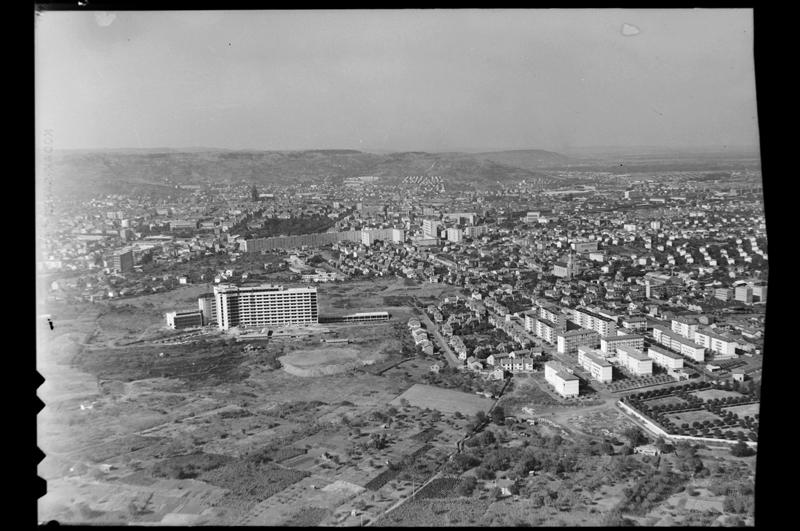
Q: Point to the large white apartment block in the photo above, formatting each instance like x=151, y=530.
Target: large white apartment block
x=611, y=343
x=545, y=322
x=605, y=326
x=552, y=313
x=569, y=341
x=454, y=234
x=684, y=326
x=561, y=378
x=664, y=358
x=263, y=305
x=475, y=231
x=430, y=228
x=595, y=364
x=636, y=322
x=635, y=361
x=671, y=340
x=715, y=342
x=744, y=294
x=207, y=304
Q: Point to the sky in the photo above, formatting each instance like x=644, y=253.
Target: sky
x=421, y=80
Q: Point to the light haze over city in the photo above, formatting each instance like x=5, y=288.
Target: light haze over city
x=429, y=80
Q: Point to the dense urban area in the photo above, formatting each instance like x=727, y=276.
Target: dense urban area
x=350, y=339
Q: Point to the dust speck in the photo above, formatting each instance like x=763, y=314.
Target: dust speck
x=629, y=30
x=104, y=18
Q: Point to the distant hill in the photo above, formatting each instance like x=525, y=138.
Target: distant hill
x=529, y=159
x=82, y=172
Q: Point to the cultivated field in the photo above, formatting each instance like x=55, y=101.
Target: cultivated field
x=444, y=400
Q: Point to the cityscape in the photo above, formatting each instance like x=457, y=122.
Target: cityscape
x=398, y=337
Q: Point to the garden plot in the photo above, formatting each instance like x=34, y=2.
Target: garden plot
x=315, y=495
x=711, y=394
x=745, y=410
x=667, y=401
x=689, y=417
x=444, y=400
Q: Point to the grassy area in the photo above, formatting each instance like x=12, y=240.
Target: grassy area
x=444, y=400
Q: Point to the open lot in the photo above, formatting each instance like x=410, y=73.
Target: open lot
x=444, y=400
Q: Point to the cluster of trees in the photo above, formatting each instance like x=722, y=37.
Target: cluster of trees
x=650, y=490
x=294, y=225
x=740, y=449
x=464, y=380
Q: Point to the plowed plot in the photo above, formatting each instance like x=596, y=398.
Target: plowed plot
x=190, y=363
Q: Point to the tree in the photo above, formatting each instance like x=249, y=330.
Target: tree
x=498, y=415
x=482, y=472
x=466, y=486
x=378, y=440
x=740, y=449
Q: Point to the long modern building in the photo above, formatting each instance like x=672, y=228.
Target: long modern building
x=585, y=318
x=184, y=319
x=264, y=304
x=635, y=361
x=569, y=341
x=595, y=364
x=610, y=344
x=719, y=344
x=678, y=343
x=664, y=358
x=561, y=378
